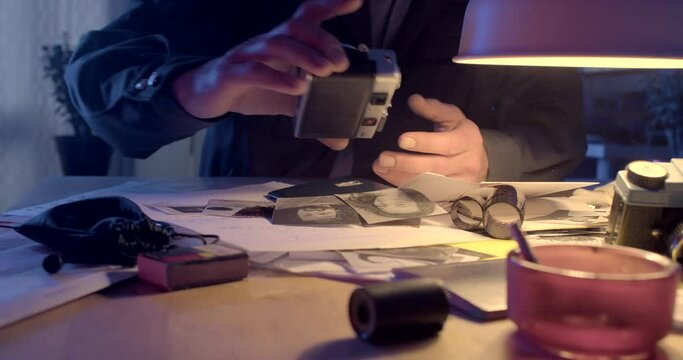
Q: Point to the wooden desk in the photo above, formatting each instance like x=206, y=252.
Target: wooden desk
x=269, y=315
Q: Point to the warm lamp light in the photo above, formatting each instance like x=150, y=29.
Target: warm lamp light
x=641, y=34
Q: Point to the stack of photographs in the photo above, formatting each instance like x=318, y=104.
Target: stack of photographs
x=373, y=207
x=379, y=205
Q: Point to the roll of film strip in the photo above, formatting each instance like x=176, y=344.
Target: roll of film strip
x=493, y=207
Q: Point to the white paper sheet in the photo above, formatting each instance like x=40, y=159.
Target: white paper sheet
x=442, y=188
x=27, y=289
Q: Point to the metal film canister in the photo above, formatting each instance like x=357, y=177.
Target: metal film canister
x=504, y=208
x=399, y=311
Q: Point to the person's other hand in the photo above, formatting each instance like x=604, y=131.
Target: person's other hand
x=455, y=149
x=256, y=77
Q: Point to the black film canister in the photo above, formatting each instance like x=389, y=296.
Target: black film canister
x=399, y=311
x=53, y=263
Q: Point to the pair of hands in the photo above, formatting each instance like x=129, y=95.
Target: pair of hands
x=257, y=78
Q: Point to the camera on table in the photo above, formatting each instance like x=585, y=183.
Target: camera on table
x=353, y=104
x=647, y=209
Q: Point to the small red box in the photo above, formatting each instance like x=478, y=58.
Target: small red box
x=186, y=267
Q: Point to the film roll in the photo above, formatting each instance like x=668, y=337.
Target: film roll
x=504, y=208
x=399, y=311
x=494, y=207
x=467, y=212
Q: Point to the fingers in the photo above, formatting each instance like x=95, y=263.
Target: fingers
x=416, y=163
x=396, y=178
x=264, y=63
x=299, y=42
x=455, y=134
x=258, y=75
x=455, y=150
x=445, y=116
x=281, y=48
x=304, y=27
x=313, y=36
x=398, y=168
x=335, y=144
x=317, y=11
x=449, y=143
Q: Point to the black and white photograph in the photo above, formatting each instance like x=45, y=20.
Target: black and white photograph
x=391, y=205
x=238, y=208
x=315, y=210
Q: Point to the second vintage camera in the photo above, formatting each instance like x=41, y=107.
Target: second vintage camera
x=353, y=104
x=647, y=209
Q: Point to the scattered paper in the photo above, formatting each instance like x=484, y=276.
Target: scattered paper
x=442, y=188
x=27, y=289
x=176, y=209
x=379, y=261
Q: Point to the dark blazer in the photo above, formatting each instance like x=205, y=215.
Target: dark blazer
x=530, y=117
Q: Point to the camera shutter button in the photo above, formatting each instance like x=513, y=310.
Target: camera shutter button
x=646, y=174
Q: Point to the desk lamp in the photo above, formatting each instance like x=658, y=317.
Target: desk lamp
x=635, y=34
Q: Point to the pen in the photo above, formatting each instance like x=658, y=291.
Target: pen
x=523, y=244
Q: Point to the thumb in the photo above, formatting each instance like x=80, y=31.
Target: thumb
x=445, y=116
x=335, y=144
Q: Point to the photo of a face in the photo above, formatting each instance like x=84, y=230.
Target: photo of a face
x=314, y=210
x=398, y=203
x=317, y=213
x=391, y=205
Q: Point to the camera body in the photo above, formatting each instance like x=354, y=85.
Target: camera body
x=647, y=213
x=353, y=104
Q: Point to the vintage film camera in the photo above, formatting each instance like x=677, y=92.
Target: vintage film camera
x=352, y=104
x=647, y=210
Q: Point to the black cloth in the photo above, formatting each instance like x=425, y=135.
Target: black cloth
x=107, y=230
x=530, y=117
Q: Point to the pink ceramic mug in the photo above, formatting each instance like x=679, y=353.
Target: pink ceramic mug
x=592, y=300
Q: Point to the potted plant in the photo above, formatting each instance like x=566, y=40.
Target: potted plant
x=81, y=153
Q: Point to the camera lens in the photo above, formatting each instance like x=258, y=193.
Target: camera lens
x=379, y=99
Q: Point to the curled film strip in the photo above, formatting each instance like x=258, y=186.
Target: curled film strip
x=494, y=207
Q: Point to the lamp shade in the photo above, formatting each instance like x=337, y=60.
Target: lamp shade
x=578, y=33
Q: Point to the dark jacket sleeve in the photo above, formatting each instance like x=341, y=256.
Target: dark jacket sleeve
x=119, y=79
x=531, y=118
x=539, y=132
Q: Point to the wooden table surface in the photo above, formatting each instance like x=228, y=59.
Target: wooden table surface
x=266, y=316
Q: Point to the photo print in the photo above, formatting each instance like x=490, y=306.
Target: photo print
x=391, y=205
x=239, y=208
x=314, y=210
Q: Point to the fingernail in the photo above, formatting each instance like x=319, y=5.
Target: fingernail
x=406, y=142
x=387, y=161
x=339, y=56
x=381, y=170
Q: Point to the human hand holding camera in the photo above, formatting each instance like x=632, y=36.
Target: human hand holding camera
x=255, y=77
x=455, y=149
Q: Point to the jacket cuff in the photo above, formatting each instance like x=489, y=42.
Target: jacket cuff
x=154, y=85
x=504, y=154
